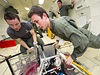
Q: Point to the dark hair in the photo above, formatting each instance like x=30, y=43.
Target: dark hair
x=11, y=15
x=11, y=7
x=37, y=10
x=59, y=1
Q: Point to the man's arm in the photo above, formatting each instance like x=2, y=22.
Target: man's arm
x=78, y=39
x=34, y=35
x=71, y=6
x=58, y=12
x=22, y=43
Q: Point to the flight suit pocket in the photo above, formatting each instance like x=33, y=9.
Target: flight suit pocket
x=75, y=40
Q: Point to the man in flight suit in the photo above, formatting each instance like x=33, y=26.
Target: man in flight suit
x=63, y=9
x=22, y=31
x=67, y=29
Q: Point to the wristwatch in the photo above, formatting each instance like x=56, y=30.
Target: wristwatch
x=35, y=43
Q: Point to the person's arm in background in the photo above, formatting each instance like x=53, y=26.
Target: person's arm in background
x=58, y=12
x=22, y=43
x=72, y=3
x=70, y=6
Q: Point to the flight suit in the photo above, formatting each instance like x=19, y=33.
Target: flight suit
x=63, y=11
x=51, y=14
x=86, y=26
x=66, y=28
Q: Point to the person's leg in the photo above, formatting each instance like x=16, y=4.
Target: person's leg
x=99, y=35
x=95, y=43
x=22, y=49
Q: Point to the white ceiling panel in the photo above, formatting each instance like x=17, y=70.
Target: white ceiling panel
x=21, y=4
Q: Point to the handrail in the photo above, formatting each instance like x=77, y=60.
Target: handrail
x=83, y=69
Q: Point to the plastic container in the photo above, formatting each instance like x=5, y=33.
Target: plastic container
x=7, y=43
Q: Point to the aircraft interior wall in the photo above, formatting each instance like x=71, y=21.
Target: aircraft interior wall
x=3, y=24
x=83, y=11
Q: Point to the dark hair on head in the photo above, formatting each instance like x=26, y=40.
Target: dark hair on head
x=37, y=10
x=10, y=15
x=59, y=1
x=11, y=7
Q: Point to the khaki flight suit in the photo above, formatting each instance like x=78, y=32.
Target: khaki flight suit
x=81, y=38
x=63, y=11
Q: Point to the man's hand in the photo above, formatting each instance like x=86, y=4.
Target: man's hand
x=30, y=49
x=69, y=60
x=57, y=11
x=72, y=0
x=55, y=44
x=23, y=43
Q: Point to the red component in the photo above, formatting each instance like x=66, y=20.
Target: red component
x=56, y=69
x=66, y=54
x=7, y=43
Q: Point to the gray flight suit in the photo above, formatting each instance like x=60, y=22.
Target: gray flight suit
x=86, y=26
x=66, y=28
x=51, y=14
x=63, y=11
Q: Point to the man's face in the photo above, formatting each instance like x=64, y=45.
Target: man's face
x=59, y=4
x=14, y=24
x=40, y=22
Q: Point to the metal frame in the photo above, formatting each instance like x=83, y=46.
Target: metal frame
x=43, y=60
